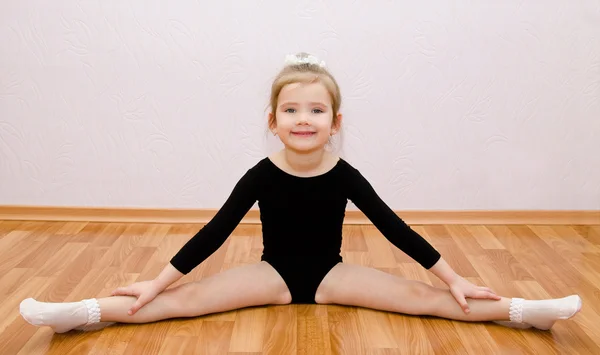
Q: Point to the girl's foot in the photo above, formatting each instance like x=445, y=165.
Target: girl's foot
x=62, y=317
x=541, y=314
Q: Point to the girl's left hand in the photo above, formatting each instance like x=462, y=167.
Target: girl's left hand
x=462, y=289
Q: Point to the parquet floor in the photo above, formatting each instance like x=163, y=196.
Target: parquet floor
x=54, y=261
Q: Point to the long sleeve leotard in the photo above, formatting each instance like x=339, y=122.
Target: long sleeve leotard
x=302, y=217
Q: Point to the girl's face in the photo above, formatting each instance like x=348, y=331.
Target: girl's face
x=304, y=117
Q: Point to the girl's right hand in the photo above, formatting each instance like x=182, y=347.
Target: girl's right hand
x=145, y=291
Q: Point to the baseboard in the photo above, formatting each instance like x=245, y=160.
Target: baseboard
x=165, y=215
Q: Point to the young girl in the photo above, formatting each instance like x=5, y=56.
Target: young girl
x=302, y=193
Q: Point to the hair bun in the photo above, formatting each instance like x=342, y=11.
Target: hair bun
x=303, y=58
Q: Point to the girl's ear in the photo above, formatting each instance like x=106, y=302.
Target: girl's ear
x=337, y=124
x=272, y=124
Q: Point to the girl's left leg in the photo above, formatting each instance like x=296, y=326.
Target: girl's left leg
x=355, y=285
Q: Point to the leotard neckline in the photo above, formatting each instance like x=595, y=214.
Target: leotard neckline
x=324, y=174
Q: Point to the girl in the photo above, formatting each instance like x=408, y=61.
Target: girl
x=302, y=193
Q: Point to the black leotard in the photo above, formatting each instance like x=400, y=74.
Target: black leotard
x=302, y=221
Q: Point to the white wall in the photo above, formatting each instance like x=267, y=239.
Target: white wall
x=469, y=104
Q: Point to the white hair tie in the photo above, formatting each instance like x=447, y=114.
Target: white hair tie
x=291, y=59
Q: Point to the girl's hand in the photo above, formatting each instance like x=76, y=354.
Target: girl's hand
x=145, y=292
x=462, y=289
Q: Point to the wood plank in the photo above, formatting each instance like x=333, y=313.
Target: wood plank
x=69, y=261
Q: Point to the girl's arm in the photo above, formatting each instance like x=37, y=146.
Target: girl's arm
x=444, y=272
x=402, y=236
x=362, y=194
x=210, y=237
x=167, y=277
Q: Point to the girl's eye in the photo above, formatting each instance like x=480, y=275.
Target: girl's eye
x=291, y=110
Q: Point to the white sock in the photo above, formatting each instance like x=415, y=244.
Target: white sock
x=541, y=314
x=62, y=317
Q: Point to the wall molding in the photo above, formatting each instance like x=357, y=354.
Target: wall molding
x=175, y=215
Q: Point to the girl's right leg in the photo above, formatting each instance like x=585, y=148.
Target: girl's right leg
x=244, y=286
x=356, y=285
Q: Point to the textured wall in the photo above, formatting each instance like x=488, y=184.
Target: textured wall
x=448, y=104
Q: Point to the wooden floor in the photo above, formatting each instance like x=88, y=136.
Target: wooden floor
x=56, y=262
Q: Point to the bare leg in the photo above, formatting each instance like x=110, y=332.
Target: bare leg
x=245, y=286
x=355, y=285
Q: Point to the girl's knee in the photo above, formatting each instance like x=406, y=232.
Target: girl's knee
x=181, y=300
x=418, y=298
x=422, y=291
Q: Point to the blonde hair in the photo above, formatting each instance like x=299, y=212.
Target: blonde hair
x=305, y=71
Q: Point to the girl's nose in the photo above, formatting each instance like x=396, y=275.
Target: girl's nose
x=302, y=119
